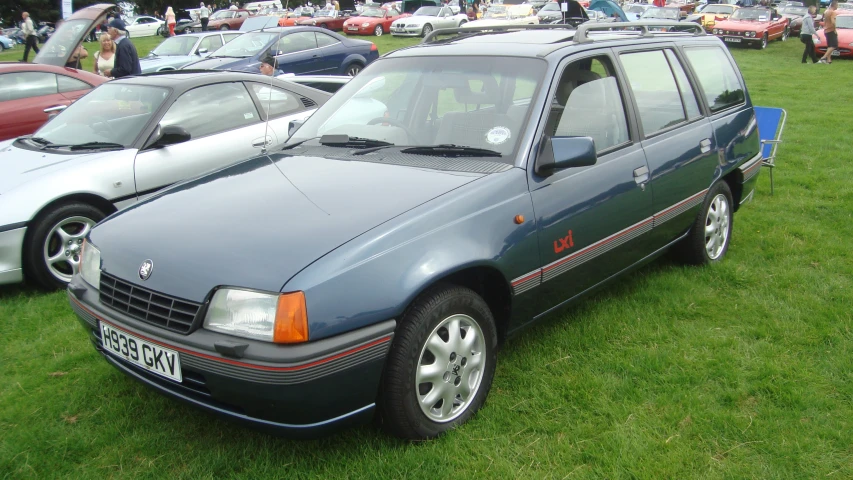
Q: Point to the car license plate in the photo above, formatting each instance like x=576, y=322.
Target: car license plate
x=732, y=39
x=353, y=28
x=150, y=356
x=836, y=53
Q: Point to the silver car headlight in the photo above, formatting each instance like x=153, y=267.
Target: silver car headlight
x=90, y=264
x=365, y=25
x=270, y=317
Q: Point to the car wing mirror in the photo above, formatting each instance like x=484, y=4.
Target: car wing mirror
x=165, y=136
x=559, y=153
x=202, y=51
x=293, y=126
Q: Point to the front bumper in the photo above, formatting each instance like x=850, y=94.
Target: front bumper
x=359, y=30
x=733, y=39
x=11, y=246
x=838, y=52
x=415, y=31
x=298, y=390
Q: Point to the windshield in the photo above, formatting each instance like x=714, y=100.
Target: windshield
x=519, y=11
x=844, y=21
x=633, y=9
x=751, y=14
x=718, y=9
x=372, y=12
x=495, y=11
x=222, y=14
x=661, y=13
x=799, y=11
x=114, y=113
x=550, y=7
x=246, y=45
x=324, y=13
x=427, y=12
x=480, y=102
x=180, y=45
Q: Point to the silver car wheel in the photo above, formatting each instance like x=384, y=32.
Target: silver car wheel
x=63, y=244
x=450, y=368
x=717, y=226
x=353, y=70
x=378, y=31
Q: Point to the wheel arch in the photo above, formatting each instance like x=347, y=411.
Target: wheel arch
x=735, y=181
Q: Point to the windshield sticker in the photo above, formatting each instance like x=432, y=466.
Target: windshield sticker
x=498, y=135
x=762, y=18
x=248, y=116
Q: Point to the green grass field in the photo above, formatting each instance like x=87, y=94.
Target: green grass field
x=738, y=370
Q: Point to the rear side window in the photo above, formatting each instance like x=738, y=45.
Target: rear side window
x=18, y=85
x=276, y=102
x=691, y=106
x=655, y=91
x=68, y=84
x=717, y=76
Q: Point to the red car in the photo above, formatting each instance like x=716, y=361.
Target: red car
x=844, y=27
x=752, y=26
x=330, y=19
x=227, y=19
x=30, y=92
x=372, y=21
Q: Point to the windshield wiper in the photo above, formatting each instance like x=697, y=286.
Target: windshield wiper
x=95, y=145
x=39, y=140
x=347, y=141
x=443, y=150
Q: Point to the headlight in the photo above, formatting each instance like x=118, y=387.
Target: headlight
x=278, y=318
x=750, y=34
x=850, y=44
x=365, y=25
x=90, y=264
x=716, y=31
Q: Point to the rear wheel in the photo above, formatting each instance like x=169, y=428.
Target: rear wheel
x=441, y=364
x=354, y=69
x=709, y=237
x=427, y=30
x=52, y=247
x=378, y=31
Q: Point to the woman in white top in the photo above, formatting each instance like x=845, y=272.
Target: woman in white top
x=105, y=58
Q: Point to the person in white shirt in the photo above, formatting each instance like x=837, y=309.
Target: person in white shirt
x=30, y=34
x=204, y=15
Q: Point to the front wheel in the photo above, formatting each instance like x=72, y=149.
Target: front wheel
x=785, y=34
x=441, y=364
x=763, y=43
x=52, y=247
x=378, y=31
x=427, y=30
x=709, y=237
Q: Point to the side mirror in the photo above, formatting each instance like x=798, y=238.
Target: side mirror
x=565, y=152
x=293, y=126
x=165, y=136
x=202, y=51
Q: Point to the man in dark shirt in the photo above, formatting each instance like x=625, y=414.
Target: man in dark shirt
x=127, y=60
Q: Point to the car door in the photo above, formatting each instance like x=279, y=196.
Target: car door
x=236, y=134
x=592, y=222
x=23, y=98
x=208, y=44
x=297, y=53
x=445, y=19
x=331, y=53
x=677, y=137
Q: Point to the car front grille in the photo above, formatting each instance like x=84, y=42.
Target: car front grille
x=147, y=305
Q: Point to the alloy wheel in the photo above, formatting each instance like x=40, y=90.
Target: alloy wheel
x=378, y=31
x=62, y=248
x=717, y=226
x=354, y=70
x=450, y=368
x=427, y=29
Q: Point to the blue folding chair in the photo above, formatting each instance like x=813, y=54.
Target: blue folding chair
x=771, y=122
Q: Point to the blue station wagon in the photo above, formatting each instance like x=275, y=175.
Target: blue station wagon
x=373, y=266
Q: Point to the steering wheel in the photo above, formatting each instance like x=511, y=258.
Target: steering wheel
x=394, y=122
x=97, y=121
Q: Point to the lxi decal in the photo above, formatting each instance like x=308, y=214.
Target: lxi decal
x=564, y=243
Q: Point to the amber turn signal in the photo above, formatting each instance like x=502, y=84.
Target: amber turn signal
x=291, y=319
x=519, y=219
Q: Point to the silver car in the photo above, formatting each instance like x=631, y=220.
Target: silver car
x=427, y=19
x=121, y=143
x=177, y=51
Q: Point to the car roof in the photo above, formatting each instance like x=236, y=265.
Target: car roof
x=183, y=80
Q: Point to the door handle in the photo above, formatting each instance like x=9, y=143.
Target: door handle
x=641, y=176
x=705, y=145
x=262, y=142
x=55, y=108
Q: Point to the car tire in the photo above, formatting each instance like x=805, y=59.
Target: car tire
x=713, y=223
x=48, y=238
x=323, y=25
x=463, y=22
x=785, y=34
x=408, y=408
x=427, y=30
x=224, y=27
x=378, y=31
x=354, y=69
x=764, y=42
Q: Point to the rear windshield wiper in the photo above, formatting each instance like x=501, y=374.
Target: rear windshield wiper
x=443, y=150
x=347, y=141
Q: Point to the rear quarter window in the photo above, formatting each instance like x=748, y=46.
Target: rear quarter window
x=717, y=77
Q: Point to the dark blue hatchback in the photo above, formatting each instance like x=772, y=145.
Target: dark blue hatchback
x=299, y=50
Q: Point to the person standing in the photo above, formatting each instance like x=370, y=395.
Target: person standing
x=829, y=32
x=170, y=21
x=30, y=35
x=204, y=16
x=127, y=60
x=105, y=59
x=806, y=35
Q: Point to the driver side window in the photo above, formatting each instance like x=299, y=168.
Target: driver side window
x=228, y=103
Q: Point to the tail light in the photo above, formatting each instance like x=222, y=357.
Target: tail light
x=374, y=48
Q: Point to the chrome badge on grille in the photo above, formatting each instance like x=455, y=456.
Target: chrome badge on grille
x=145, y=269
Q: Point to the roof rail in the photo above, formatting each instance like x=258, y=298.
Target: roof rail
x=641, y=29
x=493, y=29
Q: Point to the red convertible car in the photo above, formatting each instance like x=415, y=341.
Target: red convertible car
x=844, y=27
x=330, y=19
x=753, y=26
x=372, y=21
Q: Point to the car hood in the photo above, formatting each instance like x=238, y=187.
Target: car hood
x=220, y=63
x=151, y=64
x=740, y=24
x=21, y=165
x=366, y=19
x=419, y=20
x=257, y=223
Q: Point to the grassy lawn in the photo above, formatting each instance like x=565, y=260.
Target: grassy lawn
x=739, y=370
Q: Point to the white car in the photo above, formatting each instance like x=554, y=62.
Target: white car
x=634, y=10
x=427, y=19
x=500, y=15
x=143, y=26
